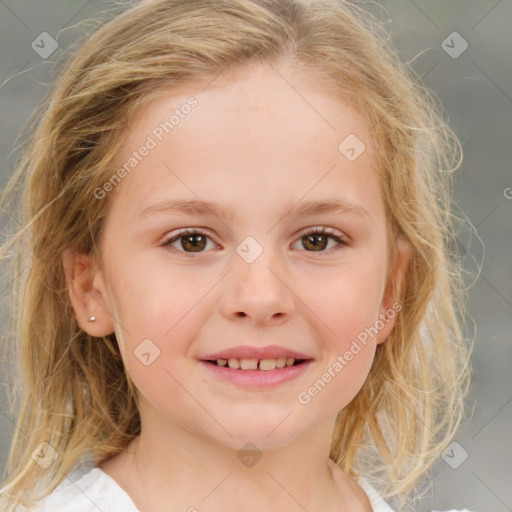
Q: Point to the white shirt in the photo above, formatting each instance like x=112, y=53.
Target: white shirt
x=95, y=491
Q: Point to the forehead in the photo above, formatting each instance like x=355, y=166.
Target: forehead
x=257, y=128
x=252, y=97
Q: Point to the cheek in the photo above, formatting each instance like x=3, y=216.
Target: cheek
x=165, y=395
x=347, y=345
x=161, y=313
x=347, y=300
x=154, y=298
x=337, y=384
x=347, y=304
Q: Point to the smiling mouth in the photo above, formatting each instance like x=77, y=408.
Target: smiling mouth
x=257, y=364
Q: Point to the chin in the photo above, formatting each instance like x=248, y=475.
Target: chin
x=264, y=435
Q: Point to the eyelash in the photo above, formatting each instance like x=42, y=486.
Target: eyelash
x=311, y=231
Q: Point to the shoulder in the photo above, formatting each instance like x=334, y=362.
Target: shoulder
x=379, y=505
x=90, y=492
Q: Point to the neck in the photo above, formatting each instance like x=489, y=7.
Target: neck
x=193, y=472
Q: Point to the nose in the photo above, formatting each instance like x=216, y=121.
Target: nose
x=258, y=292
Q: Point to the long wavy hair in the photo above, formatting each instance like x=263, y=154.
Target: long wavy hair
x=75, y=393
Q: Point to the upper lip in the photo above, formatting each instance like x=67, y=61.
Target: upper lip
x=249, y=352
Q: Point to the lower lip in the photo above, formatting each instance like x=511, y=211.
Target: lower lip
x=258, y=378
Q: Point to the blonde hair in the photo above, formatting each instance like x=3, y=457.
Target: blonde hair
x=76, y=393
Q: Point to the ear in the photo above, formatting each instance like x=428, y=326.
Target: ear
x=391, y=305
x=87, y=292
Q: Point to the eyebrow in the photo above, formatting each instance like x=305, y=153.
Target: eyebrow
x=198, y=207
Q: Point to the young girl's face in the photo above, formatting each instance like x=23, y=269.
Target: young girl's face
x=258, y=147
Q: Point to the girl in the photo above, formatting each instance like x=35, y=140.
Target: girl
x=240, y=292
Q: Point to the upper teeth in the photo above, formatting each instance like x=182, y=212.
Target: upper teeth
x=254, y=364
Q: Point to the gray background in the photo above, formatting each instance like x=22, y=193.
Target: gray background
x=476, y=91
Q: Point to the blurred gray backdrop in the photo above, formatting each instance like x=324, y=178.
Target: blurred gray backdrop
x=462, y=50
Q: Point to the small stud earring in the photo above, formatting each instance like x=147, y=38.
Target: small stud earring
x=92, y=318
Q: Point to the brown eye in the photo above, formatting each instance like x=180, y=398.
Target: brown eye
x=191, y=241
x=194, y=243
x=317, y=240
